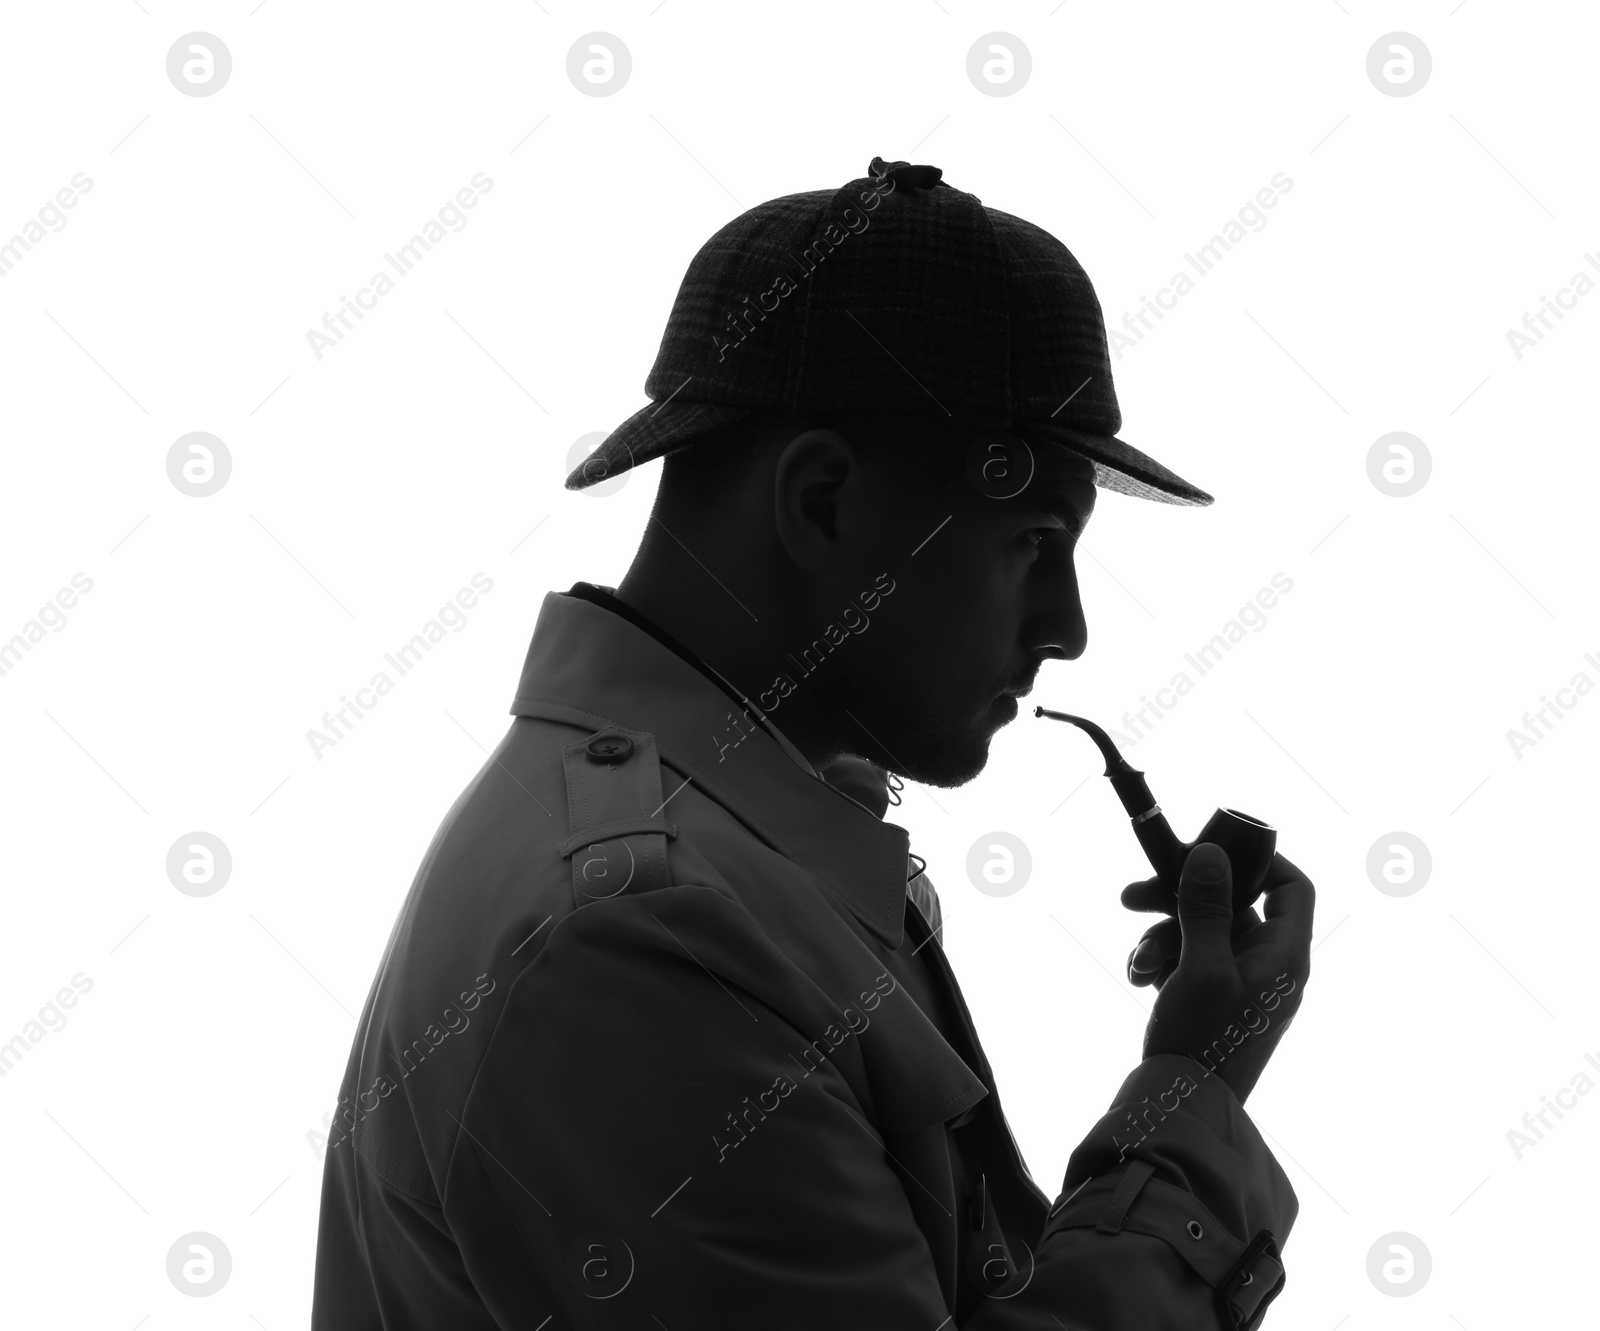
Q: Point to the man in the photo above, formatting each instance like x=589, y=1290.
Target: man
x=660, y=1038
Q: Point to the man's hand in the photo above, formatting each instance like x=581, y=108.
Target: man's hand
x=1239, y=979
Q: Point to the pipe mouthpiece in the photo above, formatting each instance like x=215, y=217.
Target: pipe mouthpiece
x=1116, y=764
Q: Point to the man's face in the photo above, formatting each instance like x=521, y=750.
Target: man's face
x=985, y=591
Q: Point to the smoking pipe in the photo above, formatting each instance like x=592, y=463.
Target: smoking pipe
x=1248, y=842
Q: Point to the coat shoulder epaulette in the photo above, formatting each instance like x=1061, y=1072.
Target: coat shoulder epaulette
x=617, y=831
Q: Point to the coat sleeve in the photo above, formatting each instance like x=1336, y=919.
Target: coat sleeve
x=1173, y=1212
x=641, y=1143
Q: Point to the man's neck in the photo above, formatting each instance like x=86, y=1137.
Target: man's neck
x=715, y=625
x=726, y=631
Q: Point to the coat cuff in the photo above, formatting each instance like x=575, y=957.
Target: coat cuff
x=1177, y=1157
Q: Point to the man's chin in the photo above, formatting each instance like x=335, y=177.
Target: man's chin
x=951, y=760
x=938, y=756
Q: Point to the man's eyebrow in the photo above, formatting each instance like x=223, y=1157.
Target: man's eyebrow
x=1061, y=505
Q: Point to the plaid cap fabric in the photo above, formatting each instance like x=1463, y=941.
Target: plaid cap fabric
x=896, y=295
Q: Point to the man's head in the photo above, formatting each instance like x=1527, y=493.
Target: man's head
x=884, y=411
x=873, y=597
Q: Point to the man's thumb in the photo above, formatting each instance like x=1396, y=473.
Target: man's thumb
x=1205, y=902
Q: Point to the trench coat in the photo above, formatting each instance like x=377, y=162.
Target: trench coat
x=643, y=1052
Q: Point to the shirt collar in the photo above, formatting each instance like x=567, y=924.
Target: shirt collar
x=592, y=667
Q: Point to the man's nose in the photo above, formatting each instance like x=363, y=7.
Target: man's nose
x=1059, y=631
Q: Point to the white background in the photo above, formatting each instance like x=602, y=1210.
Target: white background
x=186, y=1090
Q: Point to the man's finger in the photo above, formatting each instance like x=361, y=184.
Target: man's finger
x=1290, y=908
x=1205, y=905
x=1149, y=895
x=1144, y=979
x=1293, y=901
x=1282, y=870
x=1245, y=920
x=1159, y=945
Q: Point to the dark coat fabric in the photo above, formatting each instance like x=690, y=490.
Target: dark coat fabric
x=658, y=1042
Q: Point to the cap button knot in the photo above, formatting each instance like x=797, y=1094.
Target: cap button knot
x=905, y=175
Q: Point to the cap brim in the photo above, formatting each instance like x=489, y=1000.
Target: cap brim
x=1121, y=467
x=652, y=432
x=664, y=427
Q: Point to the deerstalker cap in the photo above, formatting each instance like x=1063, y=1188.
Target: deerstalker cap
x=896, y=295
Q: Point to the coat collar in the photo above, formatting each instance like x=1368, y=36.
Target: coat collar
x=590, y=667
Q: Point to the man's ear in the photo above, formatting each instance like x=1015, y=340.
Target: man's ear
x=808, y=483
